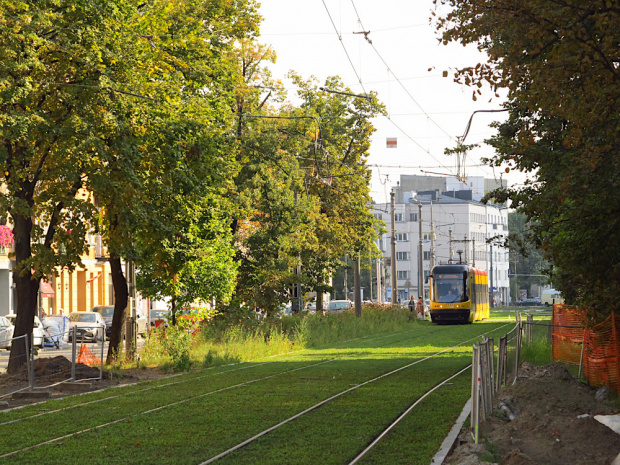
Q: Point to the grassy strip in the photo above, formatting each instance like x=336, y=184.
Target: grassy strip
x=208, y=424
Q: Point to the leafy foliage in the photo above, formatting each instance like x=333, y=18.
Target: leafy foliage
x=559, y=63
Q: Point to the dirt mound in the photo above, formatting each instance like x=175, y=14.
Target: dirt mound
x=56, y=369
x=553, y=423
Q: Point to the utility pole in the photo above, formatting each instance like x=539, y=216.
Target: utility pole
x=393, y=249
x=432, y=240
x=450, y=242
x=370, y=277
x=420, y=256
x=466, y=250
x=379, y=288
x=357, y=294
x=346, y=283
x=491, y=270
x=473, y=252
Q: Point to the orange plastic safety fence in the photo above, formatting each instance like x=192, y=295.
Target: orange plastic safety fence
x=87, y=357
x=567, y=333
x=600, y=345
x=602, y=349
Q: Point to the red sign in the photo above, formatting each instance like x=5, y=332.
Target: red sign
x=391, y=142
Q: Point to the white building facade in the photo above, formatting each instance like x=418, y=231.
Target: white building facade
x=453, y=230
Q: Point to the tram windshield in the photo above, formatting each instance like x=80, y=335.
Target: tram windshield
x=450, y=287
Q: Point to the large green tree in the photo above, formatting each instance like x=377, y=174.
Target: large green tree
x=559, y=62
x=125, y=99
x=302, y=191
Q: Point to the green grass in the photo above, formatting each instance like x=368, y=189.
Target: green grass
x=201, y=413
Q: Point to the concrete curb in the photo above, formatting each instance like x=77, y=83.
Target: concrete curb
x=448, y=443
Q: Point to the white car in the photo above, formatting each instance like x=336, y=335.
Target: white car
x=89, y=326
x=37, y=330
x=6, y=333
x=339, y=306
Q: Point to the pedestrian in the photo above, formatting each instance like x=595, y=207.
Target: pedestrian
x=411, y=307
x=420, y=308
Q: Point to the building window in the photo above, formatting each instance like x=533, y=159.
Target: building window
x=413, y=217
x=378, y=216
x=427, y=255
x=398, y=217
x=402, y=256
x=402, y=237
x=403, y=275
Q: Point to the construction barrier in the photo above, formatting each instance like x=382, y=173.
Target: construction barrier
x=567, y=337
x=87, y=357
x=602, y=353
x=597, y=349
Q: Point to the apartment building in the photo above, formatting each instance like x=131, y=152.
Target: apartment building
x=455, y=228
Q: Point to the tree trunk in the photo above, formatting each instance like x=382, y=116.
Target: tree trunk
x=319, y=301
x=173, y=310
x=121, y=297
x=27, y=290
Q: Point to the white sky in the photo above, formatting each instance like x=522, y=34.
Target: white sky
x=426, y=111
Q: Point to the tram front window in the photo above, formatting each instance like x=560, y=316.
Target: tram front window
x=450, y=288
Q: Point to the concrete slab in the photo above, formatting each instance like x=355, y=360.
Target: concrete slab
x=75, y=387
x=37, y=395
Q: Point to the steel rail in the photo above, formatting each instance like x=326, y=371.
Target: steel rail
x=17, y=420
x=323, y=402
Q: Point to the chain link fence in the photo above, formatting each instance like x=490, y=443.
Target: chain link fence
x=61, y=358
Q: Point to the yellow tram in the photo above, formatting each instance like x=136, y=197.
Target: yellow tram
x=459, y=294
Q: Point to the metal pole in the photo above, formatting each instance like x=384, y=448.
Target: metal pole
x=101, y=364
x=393, y=249
x=432, y=264
x=450, y=242
x=27, y=343
x=370, y=277
x=379, y=289
x=475, y=392
x=491, y=273
x=357, y=294
x=73, y=352
x=420, y=256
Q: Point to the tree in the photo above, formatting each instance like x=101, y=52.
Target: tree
x=51, y=99
x=526, y=260
x=303, y=188
x=559, y=64
x=77, y=79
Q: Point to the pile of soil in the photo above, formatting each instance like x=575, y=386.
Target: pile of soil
x=48, y=371
x=553, y=423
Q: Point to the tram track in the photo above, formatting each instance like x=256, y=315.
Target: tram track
x=126, y=418
x=198, y=378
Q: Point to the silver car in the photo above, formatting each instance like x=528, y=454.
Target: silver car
x=89, y=326
x=6, y=333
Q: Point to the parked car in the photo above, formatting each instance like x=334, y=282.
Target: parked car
x=528, y=303
x=107, y=312
x=37, y=330
x=89, y=326
x=6, y=333
x=339, y=306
